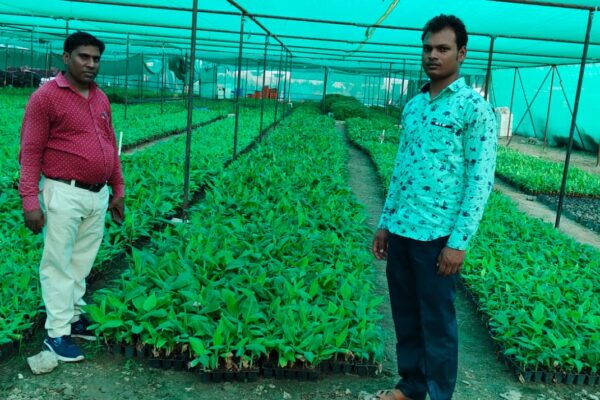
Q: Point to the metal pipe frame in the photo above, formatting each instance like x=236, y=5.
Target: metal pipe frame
x=296, y=37
x=564, y=92
x=162, y=82
x=510, y=111
x=285, y=67
x=238, y=88
x=278, y=82
x=563, y=185
x=528, y=104
x=126, y=78
x=489, y=69
x=549, y=107
x=262, y=97
x=325, y=76
x=190, y=107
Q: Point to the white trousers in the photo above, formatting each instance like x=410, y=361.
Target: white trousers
x=72, y=237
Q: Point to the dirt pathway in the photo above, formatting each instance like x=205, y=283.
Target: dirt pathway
x=480, y=376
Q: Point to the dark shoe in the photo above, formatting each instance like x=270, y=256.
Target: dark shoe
x=80, y=329
x=64, y=348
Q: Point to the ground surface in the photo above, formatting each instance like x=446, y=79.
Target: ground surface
x=103, y=376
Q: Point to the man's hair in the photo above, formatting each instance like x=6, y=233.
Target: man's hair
x=82, y=39
x=443, y=21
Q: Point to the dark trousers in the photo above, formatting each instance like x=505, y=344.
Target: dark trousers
x=424, y=316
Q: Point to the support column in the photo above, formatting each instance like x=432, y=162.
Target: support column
x=262, y=95
x=162, y=82
x=325, y=75
x=126, y=77
x=486, y=87
x=510, y=111
x=549, y=107
x=190, y=105
x=238, y=88
x=278, y=82
x=574, y=119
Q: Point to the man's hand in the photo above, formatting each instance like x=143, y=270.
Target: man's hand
x=380, y=244
x=450, y=261
x=117, y=209
x=34, y=220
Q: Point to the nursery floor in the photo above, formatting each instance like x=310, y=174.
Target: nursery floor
x=102, y=376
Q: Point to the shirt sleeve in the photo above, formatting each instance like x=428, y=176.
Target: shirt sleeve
x=116, y=181
x=35, y=131
x=480, y=164
x=391, y=202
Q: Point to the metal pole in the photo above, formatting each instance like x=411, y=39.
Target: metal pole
x=67, y=26
x=162, y=82
x=393, y=81
x=262, y=90
x=246, y=84
x=188, y=138
x=238, y=89
x=401, y=103
x=290, y=79
x=489, y=70
x=530, y=104
x=31, y=58
x=325, y=74
x=388, y=87
x=379, y=78
x=510, y=111
x=256, y=81
x=574, y=119
x=141, y=90
x=278, y=82
x=126, y=76
x=549, y=106
x=568, y=105
x=365, y=90
x=285, y=66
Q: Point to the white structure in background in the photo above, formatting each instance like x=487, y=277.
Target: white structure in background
x=505, y=121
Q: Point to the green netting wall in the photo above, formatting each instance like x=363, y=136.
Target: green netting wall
x=587, y=136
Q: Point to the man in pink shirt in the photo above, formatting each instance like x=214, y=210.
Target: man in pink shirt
x=67, y=137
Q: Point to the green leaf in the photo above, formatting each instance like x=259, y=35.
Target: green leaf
x=150, y=302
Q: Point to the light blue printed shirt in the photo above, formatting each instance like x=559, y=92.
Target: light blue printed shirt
x=444, y=169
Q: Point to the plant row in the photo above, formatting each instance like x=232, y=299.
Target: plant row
x=144, y=122
x=535, y=175
x=538, y=289
x=271, y=269
x=154, y=181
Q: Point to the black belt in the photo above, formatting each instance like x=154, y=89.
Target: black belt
x=92, y=188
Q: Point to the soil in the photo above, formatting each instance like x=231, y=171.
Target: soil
x=103, y=376
x=585, y=211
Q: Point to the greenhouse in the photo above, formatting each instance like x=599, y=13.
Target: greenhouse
x=258, y=143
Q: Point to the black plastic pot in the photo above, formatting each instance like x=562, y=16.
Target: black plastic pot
x=205, y=377
x=252, y=376
x=155, y=362
x=279, y=373
x=314, y=375
x=548, y=377
x=229, y=376
x=347, y=368
x=580, y=379
x=302, y=375
x=129, y=351
x=268, y=369
x=116, y=349
x=537, y=376
x=167, y=363
x=570, y=379
x=217, y=376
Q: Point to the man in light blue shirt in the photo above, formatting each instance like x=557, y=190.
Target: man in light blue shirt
x=442, y=178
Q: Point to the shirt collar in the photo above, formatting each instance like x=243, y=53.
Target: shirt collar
x=61, y=81
x=454, y=86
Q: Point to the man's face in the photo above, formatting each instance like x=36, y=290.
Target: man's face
x=441, y=58
x=82, y=64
